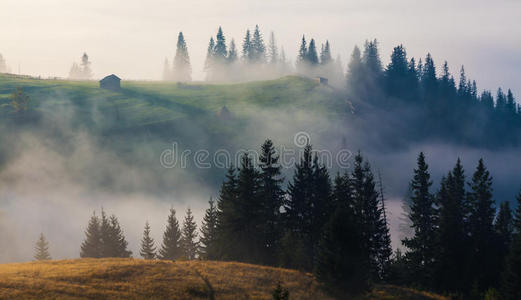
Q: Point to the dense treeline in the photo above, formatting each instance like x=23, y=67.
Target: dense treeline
x=460, y=245
x=337, y=228
x=409, y=93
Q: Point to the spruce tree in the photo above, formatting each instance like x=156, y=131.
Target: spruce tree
x=232, y=53
x=271, y=195
x=312, y=57
x=259, y=49
x=189, y=242
x=171, y=247
x=273, y=53
x=182, y=68
x=220, y=51
x=325, y=54
x=91, y=246
x=504, y=228
x=302, y=57
x=148, y=249
x=167, y=72
x=511, y=279
x=209, y=63
x=451, y=271
x=421, y=248
x=249, y=211
x=298, y=212
x=118, y=243
x=247, y=48
x=354, y=76
x=341, y=263
x=42, y=249
x=227, y=221
x=484, y=262
x=208, y=241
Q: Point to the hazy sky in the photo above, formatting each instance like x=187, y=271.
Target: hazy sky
x=132, y=37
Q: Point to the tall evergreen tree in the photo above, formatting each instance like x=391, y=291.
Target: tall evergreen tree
x=504, y=228
x=189, y=241
x=209, y=63
x=220, y=51
x=41, y=251
x=232, y=53
x=258, y=47
x=91, y=246
x=397, y=73
x=208, y=241
x=484, y=260
x=148, y=249
x=312, y=56
x=453, y=237
x=511, y=279
x=354, y=75
x=273, y=53
x=302, y=57
x=171, y=247
x=325, y=54
x=247, y=48
x=272, y=196
x=421, y=248
x=227, y=220
x=182, y=67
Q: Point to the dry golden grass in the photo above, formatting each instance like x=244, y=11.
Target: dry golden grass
x=119, y=278
x=140, y=279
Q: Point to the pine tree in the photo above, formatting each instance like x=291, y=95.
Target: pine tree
x=171, y=247
x=421, y=248
x=504, y=228
x=208, y=240
x=232, y=53
x=484, y=261
x=511, y=279
x=354, y=75
x=428, y=78
x=453, y=236
x=371, y=59
x=189, y=242
x=220, y=51
x=91, y=246
x=209, y=63
x=227, y=221
x=397, y=73
x=116, y=245
x=325, y=54
x=258, y=47
x=273, y=53
x=298, y=212
x=341, y=264
x=249, y=212
x=302, y=57
x=272, y=196
x=501, y=102
x=312, y=57
x=148, y=249
x=42, y=249
x=247, y=48
x=182, y=67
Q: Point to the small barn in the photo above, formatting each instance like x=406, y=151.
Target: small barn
x=111, y=82
x=322, y=80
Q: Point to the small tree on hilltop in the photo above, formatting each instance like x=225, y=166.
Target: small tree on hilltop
x=171, y=248
x=189, y=236
x=148, y=250
x=42, y=249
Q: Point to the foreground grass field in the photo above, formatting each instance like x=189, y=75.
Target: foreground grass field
x=140, y=279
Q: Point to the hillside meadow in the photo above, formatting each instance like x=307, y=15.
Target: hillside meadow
x=114, y=278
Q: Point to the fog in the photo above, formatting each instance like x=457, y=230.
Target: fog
x=57, y=175
x=132, y=38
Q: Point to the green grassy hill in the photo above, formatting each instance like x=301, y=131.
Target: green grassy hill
x=141, y=103
x=140, y=279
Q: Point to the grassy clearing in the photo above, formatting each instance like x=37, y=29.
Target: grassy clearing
x=141, y=279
